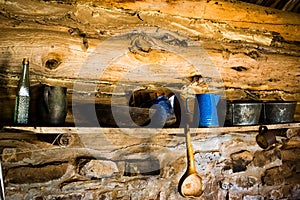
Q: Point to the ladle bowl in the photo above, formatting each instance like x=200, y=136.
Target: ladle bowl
x=190, y=184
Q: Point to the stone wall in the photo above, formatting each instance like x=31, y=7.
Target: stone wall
x=232, y=166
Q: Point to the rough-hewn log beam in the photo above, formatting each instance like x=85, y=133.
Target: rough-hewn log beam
x=255, y=49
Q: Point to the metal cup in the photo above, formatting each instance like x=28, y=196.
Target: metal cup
x=52, y=106
x=163, y=112
x=265, y=138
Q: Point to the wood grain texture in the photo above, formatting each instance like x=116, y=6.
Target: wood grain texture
x=254, y=49
x=122, y=142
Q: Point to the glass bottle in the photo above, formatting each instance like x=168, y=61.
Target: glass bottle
x=23, y=96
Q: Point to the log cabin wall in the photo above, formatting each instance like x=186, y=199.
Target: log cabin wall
x=253, y=49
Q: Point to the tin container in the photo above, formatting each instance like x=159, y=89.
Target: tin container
x=274, y=112
x=239, y=113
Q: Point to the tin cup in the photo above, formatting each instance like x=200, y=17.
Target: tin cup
x=265, y=138
x=52, y=105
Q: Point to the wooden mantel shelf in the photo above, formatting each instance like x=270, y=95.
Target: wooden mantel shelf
x=100, y=140
x=170, y=131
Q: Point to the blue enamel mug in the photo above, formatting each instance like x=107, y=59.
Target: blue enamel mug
x=206, y=105
x=164, y=114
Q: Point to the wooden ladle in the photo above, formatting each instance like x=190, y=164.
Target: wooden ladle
x=190, y=184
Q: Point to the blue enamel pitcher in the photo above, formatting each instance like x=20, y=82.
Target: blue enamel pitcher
x=207, y=109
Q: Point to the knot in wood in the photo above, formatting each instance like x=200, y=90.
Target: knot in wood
x=52, y=61
x=52, y=64
x=141, y=44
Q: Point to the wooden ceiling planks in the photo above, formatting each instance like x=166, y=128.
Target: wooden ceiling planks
x=285, y=5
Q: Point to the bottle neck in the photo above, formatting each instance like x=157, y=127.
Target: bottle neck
x=25, y=75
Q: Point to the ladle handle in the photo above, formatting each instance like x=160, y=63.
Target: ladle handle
x=190, y=152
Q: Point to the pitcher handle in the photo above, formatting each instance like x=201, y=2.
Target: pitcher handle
x=263, y=129
x=187, y=104
x=46, y=97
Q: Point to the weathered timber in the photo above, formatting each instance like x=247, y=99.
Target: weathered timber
x=116, y=142
x=146, y=132
x=254, y=49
